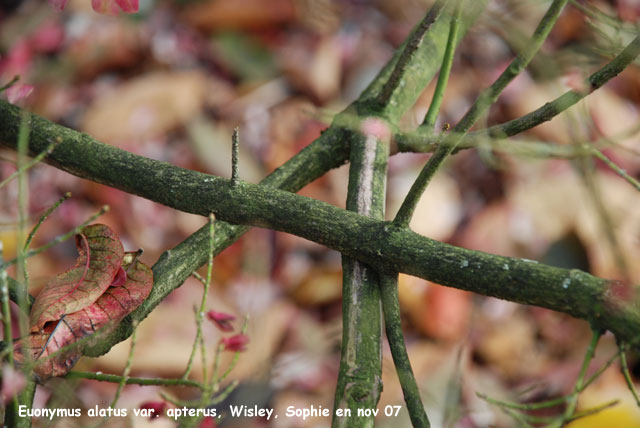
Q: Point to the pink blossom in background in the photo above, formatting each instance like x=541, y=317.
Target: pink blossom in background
x=128, y=6
x=208, y=422
x=13, y=381
x=222, y=320
x=18, y=59
x=113, y=7
x=105, y=7
x=47, y=38
x=58, y=5
x=236, y=343
x=156, y=406
x=18, y=92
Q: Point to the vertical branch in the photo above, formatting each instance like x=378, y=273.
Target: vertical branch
x=359, y=380
x=445, y=70
x=393, y=328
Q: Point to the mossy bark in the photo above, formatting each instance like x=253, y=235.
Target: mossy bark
x=608, y=305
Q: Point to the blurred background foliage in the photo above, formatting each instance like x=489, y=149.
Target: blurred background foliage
x=172, y=81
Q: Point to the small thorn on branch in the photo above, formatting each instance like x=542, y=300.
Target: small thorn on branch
x=234, y=156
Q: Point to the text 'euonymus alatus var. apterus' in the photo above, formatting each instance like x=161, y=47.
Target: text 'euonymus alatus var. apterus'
x=105, y=284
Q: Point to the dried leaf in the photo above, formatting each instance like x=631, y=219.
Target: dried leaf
x=100, y=258
x=112, y=306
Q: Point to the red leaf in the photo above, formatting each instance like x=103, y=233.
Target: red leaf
x=222, y=320
x=112, y=306
x=236, y=343
x=100, y=258
x=120, y=278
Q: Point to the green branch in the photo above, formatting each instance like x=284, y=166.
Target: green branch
x=395, y=336
x=486, y=98
x=430, y=118
x=371, y=241
x=360, y=375
x=415, y=39
x=417, y=142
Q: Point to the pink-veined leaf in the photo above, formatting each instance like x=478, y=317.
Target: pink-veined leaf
x=100, y=258
x=106, y=312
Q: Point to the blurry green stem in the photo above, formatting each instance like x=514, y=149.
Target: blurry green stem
x=627, y=375
x=203, y=303
x=573, y=398
x=101, y=377
x=445, y=70
x=127, y=368
x=621, y=172
x=24, y=167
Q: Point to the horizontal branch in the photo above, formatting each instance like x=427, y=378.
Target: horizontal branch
x=606, y=304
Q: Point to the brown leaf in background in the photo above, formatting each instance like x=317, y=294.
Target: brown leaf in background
x=239, y=15
x=100, y=258
x=146, y=107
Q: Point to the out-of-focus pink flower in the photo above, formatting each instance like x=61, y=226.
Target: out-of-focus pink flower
x=13, y=382
x=222, y=320
x=128, y=6
x=157, y=408
x=105, y=7
x=236, y=343
x=208, y=422
x=47, y=38
x=58, y=4
x=113, y=7
x=18, y=59
x=18, y=92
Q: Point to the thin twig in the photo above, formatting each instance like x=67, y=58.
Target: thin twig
x=482, y=103
x=416, y=142
x=593, y=410
x=620, y=171
x=573, y=398
x=235, y=148
x=6, y=309
x=445, y=70
x=61, y=238
x=102, y=377
x=12, y=82
x=31, y=163
x=127, y=368
x=627, y=375
x=203, y=302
